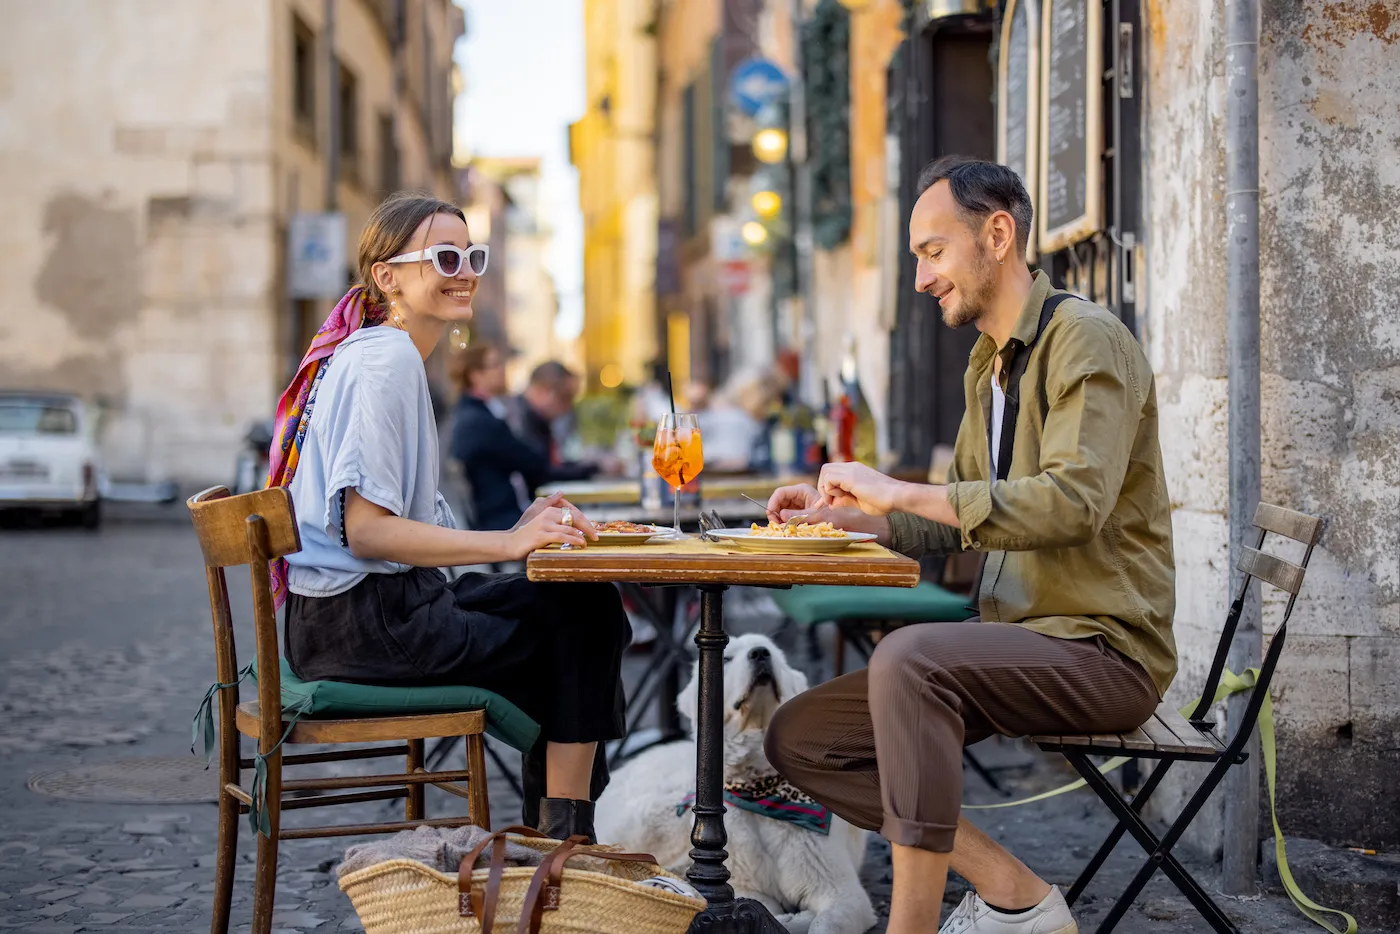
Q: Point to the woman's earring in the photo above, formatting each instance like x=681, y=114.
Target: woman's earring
x=458, y=339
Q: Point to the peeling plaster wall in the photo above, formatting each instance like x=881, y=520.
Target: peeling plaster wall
x=138, y=249
x=1330, y=252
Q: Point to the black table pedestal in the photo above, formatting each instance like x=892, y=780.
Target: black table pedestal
x=708, y=874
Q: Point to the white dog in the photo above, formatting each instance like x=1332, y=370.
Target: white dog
x=807, y=879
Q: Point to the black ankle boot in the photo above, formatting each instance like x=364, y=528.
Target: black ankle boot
x=562, y=818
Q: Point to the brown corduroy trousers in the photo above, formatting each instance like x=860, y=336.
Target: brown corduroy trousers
x=882, y=747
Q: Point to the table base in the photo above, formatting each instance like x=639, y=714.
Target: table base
x=741, y=916
x=708, y=873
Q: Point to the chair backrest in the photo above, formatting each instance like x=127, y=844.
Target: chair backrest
x=252, y=529
x=1258, y=564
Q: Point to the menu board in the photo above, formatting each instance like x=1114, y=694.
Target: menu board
x=1071, y=123
x=1018, y=98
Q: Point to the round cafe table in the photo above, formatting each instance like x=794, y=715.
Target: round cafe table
x=713, y=568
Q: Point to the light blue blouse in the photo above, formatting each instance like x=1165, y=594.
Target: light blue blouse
x=371, y=429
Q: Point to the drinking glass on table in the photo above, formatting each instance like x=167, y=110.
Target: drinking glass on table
x=677, y=455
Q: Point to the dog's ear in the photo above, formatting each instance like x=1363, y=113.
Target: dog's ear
x=791, y=682
x=687, y=699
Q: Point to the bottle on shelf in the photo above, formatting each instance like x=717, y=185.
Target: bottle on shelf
x=858, y=436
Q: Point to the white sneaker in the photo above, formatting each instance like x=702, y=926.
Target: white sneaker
x=975, y=916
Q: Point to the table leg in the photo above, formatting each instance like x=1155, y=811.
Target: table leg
x=708, y=873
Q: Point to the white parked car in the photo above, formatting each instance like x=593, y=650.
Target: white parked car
x=48, y=456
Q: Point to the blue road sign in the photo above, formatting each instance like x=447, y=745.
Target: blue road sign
x=756, y=83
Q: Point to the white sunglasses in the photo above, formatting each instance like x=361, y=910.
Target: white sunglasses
x=448, y=259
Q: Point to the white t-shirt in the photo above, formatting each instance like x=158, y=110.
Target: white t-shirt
x=998, y=410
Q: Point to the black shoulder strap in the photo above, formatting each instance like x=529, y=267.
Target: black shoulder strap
x=1019, y=360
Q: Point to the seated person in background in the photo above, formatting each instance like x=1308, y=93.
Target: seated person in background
x=548, y=397
x=490, y=453
x=537, y=415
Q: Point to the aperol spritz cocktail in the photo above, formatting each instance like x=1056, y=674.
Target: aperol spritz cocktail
x=678, y=456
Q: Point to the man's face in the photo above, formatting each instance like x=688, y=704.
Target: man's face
x=565, y=396
x=954, y=262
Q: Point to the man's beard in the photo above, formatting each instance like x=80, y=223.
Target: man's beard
x=973, y=304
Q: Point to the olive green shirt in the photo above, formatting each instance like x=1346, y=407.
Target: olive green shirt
x=1078, y=537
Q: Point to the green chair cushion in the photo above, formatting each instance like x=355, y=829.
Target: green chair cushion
x=504, y=720
x=926, y=603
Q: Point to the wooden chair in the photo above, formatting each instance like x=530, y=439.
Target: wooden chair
x=253, y=529
x=1169, y=737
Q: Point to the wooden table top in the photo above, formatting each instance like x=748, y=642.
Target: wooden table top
x=692, y=561
x=626, y=490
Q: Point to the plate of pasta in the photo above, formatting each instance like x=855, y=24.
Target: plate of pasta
x=802, y=539
x=628, y=533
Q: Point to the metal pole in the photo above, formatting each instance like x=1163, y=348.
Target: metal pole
x=1241, y=838
x=332, y=108
x=802, y=210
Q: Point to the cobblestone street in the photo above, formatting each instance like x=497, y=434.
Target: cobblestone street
x=104, y=654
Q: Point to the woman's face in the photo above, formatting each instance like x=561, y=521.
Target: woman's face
x=424, y=292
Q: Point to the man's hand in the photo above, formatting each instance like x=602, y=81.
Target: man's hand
x=803, y=500
x=854, y=485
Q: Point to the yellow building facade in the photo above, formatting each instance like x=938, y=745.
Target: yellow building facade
x=614, y=150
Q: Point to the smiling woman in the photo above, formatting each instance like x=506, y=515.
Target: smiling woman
x=356, y=443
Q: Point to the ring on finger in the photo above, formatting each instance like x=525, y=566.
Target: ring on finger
x=568, y=518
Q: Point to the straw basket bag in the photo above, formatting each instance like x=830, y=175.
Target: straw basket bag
x=600, y=894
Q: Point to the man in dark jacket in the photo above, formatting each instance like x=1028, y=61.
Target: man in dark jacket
x=492, y=456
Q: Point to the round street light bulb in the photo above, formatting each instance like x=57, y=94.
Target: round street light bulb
x=610, y=376
x=753, y=233
x=766, y=204
x=770, y=145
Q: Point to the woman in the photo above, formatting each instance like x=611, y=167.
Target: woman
x=357, y=446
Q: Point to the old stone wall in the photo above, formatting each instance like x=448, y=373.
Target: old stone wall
x=137, y=250
x=1330, y=252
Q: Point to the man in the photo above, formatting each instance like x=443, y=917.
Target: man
x=491, y=455
x=548, y=398
x=1077, y=591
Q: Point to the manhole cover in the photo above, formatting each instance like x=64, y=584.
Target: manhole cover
x=147, y=780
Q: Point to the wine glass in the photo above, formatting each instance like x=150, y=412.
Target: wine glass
x=678, y=456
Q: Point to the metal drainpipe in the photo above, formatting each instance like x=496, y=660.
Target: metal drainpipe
x=1241, y=837
x=810, y=388
x=332, y=108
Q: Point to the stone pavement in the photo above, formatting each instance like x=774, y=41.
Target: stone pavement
x=104, y=653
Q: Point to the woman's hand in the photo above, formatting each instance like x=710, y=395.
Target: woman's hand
x=557, y=500
x=547, y=527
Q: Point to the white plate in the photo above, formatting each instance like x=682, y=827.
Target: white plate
x=744, y=538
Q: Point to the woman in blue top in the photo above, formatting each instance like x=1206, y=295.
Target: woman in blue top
x=358, y=448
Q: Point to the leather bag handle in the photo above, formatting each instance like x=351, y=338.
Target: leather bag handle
x=469, y=903
x=544, y=891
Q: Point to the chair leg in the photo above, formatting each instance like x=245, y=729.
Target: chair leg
x=479, y=804
x=413, y=808
x=1158, y=849
x=265, y=875
x=227, y=849
x=1095, y=864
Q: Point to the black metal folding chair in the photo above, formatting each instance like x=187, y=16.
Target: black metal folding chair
x=1170, y=738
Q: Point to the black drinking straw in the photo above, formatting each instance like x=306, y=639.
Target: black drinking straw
x=671, y=391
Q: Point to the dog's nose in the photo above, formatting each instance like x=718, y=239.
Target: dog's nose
x=760, y=652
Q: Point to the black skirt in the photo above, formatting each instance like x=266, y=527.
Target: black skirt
x=554, y=650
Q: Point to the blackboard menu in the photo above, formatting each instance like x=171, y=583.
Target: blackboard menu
x=1018, y=98
x=1071, y=123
